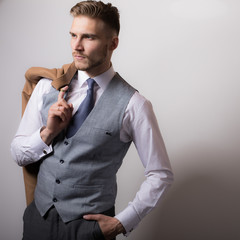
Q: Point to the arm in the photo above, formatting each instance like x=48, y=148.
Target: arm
x=31, y=141
x=140, y=125
x=27, y=146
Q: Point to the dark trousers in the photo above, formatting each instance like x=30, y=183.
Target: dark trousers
x=51, y=227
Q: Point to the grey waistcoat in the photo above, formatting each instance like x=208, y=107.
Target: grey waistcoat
x=79, y=176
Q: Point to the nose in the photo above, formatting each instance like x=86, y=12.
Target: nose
x=77, y=44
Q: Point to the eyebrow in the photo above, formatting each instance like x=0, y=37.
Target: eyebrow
x=85, y=34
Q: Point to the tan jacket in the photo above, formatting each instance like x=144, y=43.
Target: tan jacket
x=60, y=77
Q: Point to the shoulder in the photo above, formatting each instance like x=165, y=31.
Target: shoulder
x=139, y=109
x=42, y=87
x=34, y=74
x=138, y=103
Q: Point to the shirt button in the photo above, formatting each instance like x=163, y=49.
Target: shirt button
x=61, y=161
x=57, y=181
x=44, y=151
x=54, y=200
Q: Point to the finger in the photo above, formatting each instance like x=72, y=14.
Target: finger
x=56, y=112
x=62, y=93
x=95, y=217
x=64, y=113
x=71, y=106
x=62, y=103
x=66, y=107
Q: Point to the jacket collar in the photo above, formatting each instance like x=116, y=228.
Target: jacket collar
x=65, y=78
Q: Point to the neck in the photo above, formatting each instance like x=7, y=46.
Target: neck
x=98, y=70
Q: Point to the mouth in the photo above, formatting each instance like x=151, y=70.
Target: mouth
x=78, y=57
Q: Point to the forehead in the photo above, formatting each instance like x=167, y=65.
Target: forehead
x=85, y=24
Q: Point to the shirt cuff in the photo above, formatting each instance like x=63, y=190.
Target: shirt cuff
x=129, y=219
x=40, y=148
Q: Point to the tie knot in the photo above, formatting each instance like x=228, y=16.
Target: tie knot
x=90, y=82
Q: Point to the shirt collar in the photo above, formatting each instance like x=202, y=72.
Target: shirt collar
x=102, y=80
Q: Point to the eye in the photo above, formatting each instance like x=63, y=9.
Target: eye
x=73, y=35
x=89, y=36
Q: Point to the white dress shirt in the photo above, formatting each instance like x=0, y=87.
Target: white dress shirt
x=139, y=125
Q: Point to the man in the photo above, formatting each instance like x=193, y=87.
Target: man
x=80, y=135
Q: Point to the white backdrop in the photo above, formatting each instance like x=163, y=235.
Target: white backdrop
x=183, y=55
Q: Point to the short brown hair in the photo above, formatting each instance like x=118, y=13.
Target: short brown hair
x=97, y=9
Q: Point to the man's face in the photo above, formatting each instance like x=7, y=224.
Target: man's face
x=92, y=44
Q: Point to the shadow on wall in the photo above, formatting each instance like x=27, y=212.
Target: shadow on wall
x=203, y=203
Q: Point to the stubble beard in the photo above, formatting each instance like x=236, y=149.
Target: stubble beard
x=89, y=64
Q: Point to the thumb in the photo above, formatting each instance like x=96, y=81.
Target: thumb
x=92, y=217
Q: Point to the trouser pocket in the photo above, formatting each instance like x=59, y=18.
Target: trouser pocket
x=97, y=232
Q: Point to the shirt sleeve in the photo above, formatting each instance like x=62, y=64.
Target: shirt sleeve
x=27, y=146
x=140, y=125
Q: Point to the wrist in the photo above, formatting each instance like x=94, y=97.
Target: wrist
x=46, y=135
x=119, y=228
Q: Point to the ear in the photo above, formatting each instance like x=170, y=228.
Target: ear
x=114, y=43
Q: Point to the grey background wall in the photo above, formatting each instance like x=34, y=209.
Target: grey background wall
x=183, y=55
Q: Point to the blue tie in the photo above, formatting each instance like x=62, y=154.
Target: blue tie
x=84, y=109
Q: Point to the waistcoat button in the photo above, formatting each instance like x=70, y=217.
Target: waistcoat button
x=61, y=161
x=57, y=181
x=54, y=200
x=66, y=142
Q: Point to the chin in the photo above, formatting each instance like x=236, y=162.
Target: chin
x=80, y=66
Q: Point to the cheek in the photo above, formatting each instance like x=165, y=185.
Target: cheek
x=99, y=48
x=72, y=44
x=93, y=50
